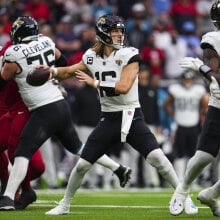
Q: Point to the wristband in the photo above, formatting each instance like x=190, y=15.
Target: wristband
x=54, y=72
x=204, y=69
x=107, y=84
x=96, y=83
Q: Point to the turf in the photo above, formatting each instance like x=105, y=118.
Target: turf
x=108, y=205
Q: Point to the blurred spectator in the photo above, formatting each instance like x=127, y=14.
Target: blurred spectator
x=152, y=56
x=149, y=104
x=3, y=36
x=165, y=137
x=124, y=8
x=39, y=10
x=138, y=26
x=191, y=39
x=5, y=20
x=15, y=9
x=160, y=6
x=85, y=22
x=175, y=50
x=46, y=30
x=165, y=119
x=88, y=37
x=65, y=40
x=86, y=108
x=161, y=29
x=182, y=11
x=58, y=10
x=186, y=101
x=78, y=8
x=75, y=57
x=71, y=85
x=148, y=99
x=101, y=7
x=204, y=22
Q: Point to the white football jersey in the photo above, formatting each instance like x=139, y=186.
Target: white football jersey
x=213, y=38
x=186, y=103
x=109, y=69
x=27, y=56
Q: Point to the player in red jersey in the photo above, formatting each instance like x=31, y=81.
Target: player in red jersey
x=13, y=116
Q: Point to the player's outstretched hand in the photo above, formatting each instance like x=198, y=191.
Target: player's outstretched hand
x=38, y=76
x=191, y=63
x=84, y=77
x=214, y=88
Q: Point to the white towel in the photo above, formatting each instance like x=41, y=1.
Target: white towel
x=127, y=117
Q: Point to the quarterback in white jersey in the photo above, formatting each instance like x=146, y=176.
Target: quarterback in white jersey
x=50, y=112
x=209, y=141
x=109, y=70
x=114, y=68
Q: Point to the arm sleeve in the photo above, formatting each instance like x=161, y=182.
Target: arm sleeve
x=135, y=58
x=61, y=61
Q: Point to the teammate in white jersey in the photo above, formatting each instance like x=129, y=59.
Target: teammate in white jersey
x=114, y=68
x=209, y=142
x=185, y=103
x=50, y=113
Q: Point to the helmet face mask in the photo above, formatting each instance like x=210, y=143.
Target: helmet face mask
x=24, y=29
x=105, y=25
x=215, y=14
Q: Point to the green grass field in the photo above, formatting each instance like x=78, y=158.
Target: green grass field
x=108, y=205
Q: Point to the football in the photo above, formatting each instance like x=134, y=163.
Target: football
x=38, y=76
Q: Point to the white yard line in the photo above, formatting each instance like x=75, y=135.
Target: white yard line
x=44, y=203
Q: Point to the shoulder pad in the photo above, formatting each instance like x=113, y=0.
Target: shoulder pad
x=13, y=53
x=211, y=38
x=173, y=89
x=43, y=37
x=206, y=38
x=89, y=52
x=127, y=53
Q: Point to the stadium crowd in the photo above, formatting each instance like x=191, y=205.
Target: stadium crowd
x=164, y=32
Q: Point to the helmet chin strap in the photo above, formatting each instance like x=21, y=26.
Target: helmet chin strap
x=118, y=45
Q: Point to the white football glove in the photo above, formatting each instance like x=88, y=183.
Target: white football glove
x=214, y=88
x=191, y=63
